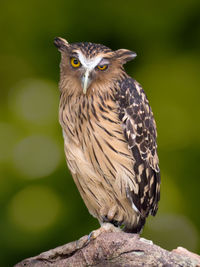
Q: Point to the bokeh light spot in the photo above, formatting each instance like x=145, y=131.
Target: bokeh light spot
x=34, y=208
x=35, y=101
x=8, y=138
x=36, y=156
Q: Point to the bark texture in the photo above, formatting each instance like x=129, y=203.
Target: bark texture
x=112, y=249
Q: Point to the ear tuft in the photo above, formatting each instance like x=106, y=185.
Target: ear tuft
x=125, y=55
x=61, y=43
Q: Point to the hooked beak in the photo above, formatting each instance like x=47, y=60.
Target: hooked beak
x=85, y=81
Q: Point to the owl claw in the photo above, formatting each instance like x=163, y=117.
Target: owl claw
x=105, y=227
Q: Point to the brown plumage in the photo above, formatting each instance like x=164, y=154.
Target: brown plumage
x=109, y=134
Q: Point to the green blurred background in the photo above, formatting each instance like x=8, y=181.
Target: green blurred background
x=40, y=207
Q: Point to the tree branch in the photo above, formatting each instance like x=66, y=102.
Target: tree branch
x=112, y=249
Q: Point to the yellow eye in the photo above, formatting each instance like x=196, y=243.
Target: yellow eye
x=75, y=62
x=102, y=67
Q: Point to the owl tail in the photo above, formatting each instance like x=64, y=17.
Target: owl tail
x=137, y=228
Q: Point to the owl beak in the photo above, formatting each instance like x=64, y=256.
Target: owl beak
x=85, y=80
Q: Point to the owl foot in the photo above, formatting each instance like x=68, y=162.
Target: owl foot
x=111, y=215
x=105, y=228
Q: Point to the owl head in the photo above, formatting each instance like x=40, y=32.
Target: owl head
x=88, y=63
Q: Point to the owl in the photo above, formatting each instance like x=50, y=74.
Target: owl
x=109, y=134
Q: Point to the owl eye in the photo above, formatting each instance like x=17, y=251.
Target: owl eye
x=75, y=62
x=102, y=67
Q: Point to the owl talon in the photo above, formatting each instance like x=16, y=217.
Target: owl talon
x=105, y=227
x=90, y=236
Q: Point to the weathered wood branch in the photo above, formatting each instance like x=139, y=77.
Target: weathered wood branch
x=112, y=249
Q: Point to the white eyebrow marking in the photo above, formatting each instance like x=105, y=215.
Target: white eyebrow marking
x=104, y=61
x=89, y=63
